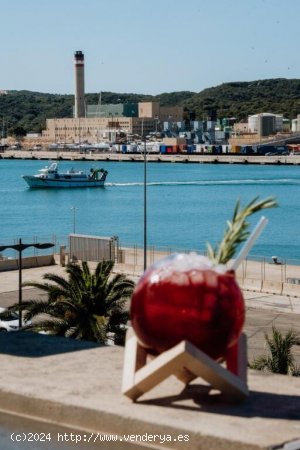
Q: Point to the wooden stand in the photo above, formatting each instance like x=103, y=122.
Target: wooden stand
x=186, y=362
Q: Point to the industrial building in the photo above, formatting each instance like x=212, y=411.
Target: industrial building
x=95, y=123
x=77, y=130
x=265, y=124
x=125, y=122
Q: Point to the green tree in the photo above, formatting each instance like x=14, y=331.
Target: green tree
x=280, y=358
x=87, y=305
x=19, y=132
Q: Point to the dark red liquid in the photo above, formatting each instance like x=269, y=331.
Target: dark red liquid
x=201, y=306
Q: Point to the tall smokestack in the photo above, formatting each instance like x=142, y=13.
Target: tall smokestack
x=79, y=110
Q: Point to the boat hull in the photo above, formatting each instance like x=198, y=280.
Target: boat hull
x=35, y=182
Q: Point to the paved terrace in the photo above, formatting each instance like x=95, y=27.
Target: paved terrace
x=77, y=384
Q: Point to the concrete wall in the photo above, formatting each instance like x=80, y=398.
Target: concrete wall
x=27, y=262
x=270, y=287
x=148, y=109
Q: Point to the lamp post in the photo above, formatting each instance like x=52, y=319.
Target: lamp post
x=145, y=197
x=19, y=248
x=74, y=209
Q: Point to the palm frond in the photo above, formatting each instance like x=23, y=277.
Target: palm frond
x=84, y=305
x=103, y=269
x=42, y=286
x=260, y=363
x=237, y=230
x=52, y=326
x=34, y=308
x=295, y=371
x=60, y=281
x=119, y=283
x=116, y=319
x=281, y=359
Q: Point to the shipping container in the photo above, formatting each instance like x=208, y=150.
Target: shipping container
x=235, y=149
x=132, y=148
x=247, y=150
x=225, y=148
x=215, y=149
x=199, y=148
x=264, y=149
x=294, y=148
x=282, y=150
x=270, y=150
x=154, y=148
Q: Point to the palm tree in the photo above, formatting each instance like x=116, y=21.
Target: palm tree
x=280, y=360
x=87, y=305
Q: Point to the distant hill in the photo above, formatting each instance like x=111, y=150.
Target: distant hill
x=240, y=99
x=29, y=110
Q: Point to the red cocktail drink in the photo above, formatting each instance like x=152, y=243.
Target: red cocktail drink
x=186, y=297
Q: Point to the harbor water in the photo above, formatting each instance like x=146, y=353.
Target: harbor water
x=187, y=204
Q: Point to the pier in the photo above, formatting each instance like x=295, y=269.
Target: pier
x=200, y=158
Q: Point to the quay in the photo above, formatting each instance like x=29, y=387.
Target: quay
x=200, y=158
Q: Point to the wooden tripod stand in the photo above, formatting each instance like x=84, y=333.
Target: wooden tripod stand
x=142, y=371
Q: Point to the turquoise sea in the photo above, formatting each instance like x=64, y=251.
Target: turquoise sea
x=187, y=204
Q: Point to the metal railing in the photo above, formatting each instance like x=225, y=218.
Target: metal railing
x=253, y=267
x=130, y=257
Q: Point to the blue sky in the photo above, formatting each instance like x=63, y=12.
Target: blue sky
x=147, y=46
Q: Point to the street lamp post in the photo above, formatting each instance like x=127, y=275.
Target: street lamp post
x=19, y=248
x=145, y=198
x=74, y=209
x=145, y=206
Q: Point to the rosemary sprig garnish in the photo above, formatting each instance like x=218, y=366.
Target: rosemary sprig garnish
x=237, y=230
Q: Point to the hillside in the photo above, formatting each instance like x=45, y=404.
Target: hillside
x=29, y=110
x=240, y=99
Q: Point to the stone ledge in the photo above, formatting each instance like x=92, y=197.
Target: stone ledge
x=28, y=262
x=78, y=384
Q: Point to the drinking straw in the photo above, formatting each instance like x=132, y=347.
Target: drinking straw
x=249, y=243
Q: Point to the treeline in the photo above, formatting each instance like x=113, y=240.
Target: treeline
x=28, y=110
x=241, y=99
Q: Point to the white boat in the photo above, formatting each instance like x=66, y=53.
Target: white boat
x=50, y=177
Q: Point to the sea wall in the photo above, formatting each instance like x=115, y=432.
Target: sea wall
x=174, y=158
